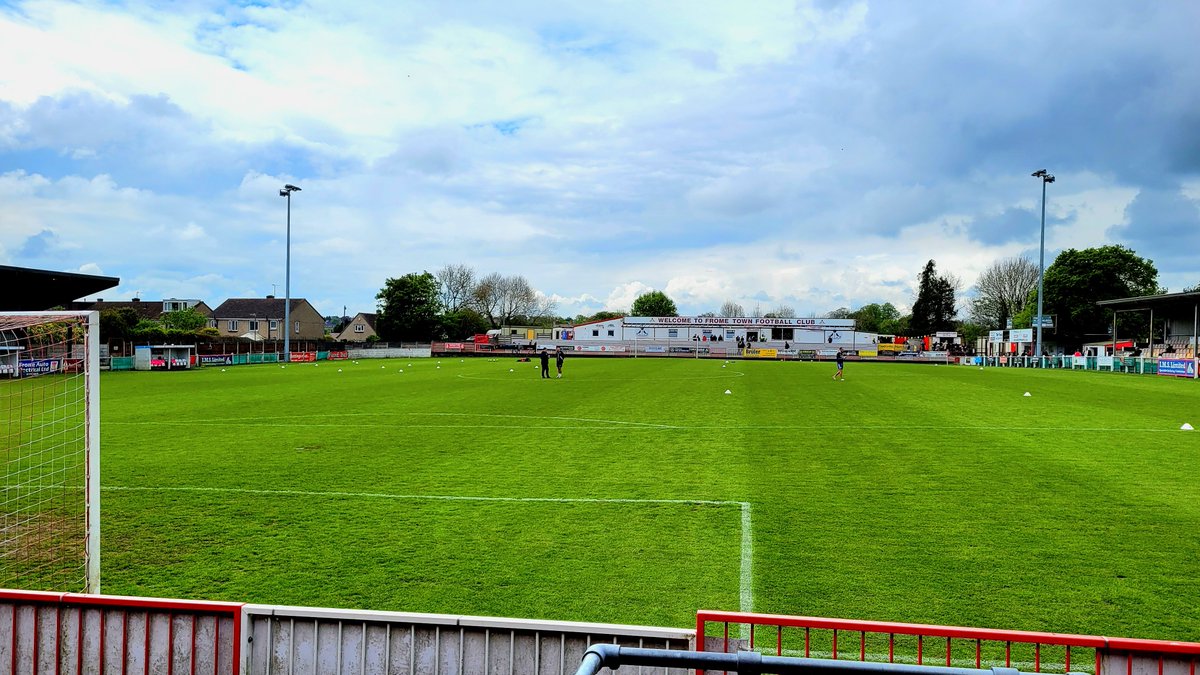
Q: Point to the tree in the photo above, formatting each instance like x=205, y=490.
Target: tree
x=458, y=281
x=730, y=309
x=783, y=312
x=504, y=299
x=117, y=323
x=485, y=297
x=185, y=320
x=1078, y=279
x=409, y=308
x=1003, y=290
x=839, y=313
x=654, y=303
x=934, y=308
x=463, y=323
x=602, y=315
x=871, y=318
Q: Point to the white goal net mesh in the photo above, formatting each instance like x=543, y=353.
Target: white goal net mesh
x=49, y=451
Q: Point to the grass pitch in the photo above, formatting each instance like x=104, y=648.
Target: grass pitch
x=638, y=491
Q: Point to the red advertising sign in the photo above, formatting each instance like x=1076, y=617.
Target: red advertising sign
x=300, y=357
x=339, y=356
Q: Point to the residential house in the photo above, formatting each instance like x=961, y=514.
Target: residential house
x=359, y=329
x=262, y=319
x=146, y=309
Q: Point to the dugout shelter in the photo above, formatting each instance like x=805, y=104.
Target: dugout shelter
x=164, y=357
x=1179, y=314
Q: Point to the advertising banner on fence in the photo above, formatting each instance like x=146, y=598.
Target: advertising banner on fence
x=339, y=356
x=602, y=348
x=868, y=353
x=1020, y=335
x=889, y=348
x=1171, y=367
x=1104, y=362
x=41, y=366
x=301, y=357
x=762, y=353
x=216, y=359
x=935, y=355
x=995, y=336
x=453, y=346
x=655, y=349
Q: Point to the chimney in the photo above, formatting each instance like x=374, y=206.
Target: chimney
x=270, y=297
x=136, y=300
x=99, y=299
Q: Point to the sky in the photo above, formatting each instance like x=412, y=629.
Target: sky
x=810, y=155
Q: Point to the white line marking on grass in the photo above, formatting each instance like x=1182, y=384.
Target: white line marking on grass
x=548, y=417
x=728, y=373
x=295, y=421
x=745, y=577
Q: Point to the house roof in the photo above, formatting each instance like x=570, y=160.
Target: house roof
x=148, y=309
x=264, y=308
x=368, y=318
x=22, y=288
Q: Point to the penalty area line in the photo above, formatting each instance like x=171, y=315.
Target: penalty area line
x=746, y=558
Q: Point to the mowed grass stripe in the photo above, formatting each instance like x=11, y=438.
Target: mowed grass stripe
x=910, y=493
x=507, y=556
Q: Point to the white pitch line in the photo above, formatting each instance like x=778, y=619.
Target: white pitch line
x=745, y=579
x=547, y=417
x=609, y=424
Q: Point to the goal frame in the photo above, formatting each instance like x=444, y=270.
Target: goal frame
x=91, y=394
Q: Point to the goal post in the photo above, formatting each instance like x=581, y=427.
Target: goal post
x=50, y=451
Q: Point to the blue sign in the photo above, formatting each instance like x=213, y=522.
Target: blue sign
x=1177, y=367
x=41, y=366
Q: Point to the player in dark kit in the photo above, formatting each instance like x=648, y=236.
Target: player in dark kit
x=558, y=359
x=841, y=363
x=545, y=364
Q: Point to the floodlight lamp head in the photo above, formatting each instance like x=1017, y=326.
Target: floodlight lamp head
x=1039, y=173
x=1048, y=178
x=288, y=189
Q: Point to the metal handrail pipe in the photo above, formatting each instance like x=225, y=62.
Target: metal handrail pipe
x=753, y=663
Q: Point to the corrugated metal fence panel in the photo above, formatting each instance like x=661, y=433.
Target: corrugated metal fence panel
x=1131, y=663
x=304, y=641
x=101, y=635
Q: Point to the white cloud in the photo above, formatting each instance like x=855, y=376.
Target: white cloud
x=809, y=154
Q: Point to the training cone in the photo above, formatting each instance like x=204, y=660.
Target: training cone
x=1028, y=394
x=339, y=370
x=510, y=370
x=222, y=370
x=1186, y=427
x=728, y=392
x=402, y=370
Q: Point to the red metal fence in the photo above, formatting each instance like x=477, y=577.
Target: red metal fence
x=72, y=634
x=938, y=645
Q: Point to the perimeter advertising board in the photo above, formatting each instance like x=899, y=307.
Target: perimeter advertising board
x=1177, y=367
x=41, y=366
x=1020, y=335
x=216, y=359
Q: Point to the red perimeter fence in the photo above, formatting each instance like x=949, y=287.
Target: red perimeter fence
x=935, y=645
x=72, y=634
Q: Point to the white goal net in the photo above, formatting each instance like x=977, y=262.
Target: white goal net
x=50, y=451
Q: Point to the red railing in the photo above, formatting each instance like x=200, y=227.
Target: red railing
x=68, y=650
x=982, y=639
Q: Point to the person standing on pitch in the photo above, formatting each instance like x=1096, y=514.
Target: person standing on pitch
x=558, y=359
x=545, y=364
x=841, y=363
